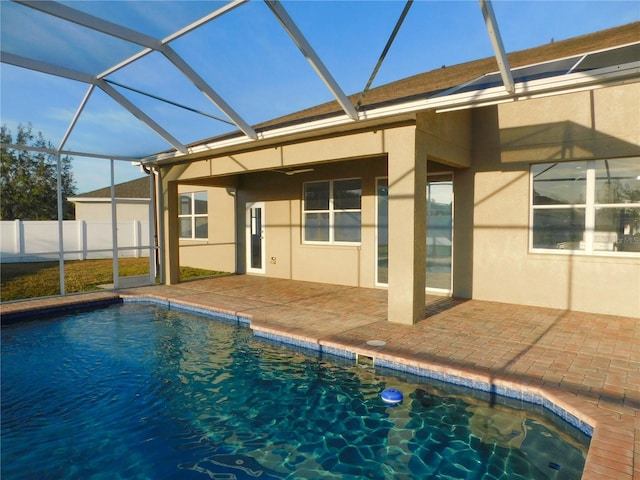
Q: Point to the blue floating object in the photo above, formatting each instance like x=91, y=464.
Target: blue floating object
x=391, y=395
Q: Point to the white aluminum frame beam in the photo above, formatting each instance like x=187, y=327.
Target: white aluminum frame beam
x=102, y=84
x=307, y=50
x=114, y=228
x=151, y=44
x=76, y=116
x=206, y=19
x=71, y=153
x=48, y=68
x=140, y=115
x=208, y=92
x=60, y=224
x=498, y=46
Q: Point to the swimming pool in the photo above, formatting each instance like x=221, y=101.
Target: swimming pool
x=139, y=391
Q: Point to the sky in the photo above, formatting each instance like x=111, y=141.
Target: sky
x=249, y=60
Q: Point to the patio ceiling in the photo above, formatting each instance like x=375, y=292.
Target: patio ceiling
x=118, y=60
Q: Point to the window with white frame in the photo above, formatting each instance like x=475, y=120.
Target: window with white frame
x=332, y=211
x=591, y=207
x=193, y=216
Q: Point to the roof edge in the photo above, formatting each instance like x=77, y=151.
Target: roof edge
x=417, y=91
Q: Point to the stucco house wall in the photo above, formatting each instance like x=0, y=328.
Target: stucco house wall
x=600, y=124
x=360, y=155
x=287, y=256
x=492, y=259
x=488, y=149
x=218, y=251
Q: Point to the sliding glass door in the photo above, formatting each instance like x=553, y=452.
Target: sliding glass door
x=439, y=232
x=382, y=231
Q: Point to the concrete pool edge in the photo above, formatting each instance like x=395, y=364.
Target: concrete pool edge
x=441, y=372
x=12, y=312
x=602, y=427
x=614, y=452
x=475, y=381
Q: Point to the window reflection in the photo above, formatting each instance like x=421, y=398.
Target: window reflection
x=383, y=230
x=591, y=206
x=617, y=229
x=617, y=180
x=347, y=194
x=331, y=211
x=185, y=204
x=316, y=196
x=316, y=227
x=559, y=183
x=194, y=221
x=200, y=202
x=561, y=228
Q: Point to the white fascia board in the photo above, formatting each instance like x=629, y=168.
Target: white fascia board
x=450, y=91
x=568, y=83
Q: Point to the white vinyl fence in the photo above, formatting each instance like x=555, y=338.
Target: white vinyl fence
x=37, y=241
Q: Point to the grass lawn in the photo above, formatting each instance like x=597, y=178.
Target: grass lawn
x=42, y=279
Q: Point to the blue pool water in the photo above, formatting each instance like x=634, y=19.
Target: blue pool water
x=142, y=392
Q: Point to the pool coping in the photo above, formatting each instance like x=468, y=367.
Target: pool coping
x=48, y=309
x=558, y=403
x=582, y=415
x=611, y=453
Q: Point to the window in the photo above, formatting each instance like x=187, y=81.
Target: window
x=590, y=207
x=332, y=211
x=194, y=221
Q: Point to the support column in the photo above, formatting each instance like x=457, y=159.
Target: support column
x=407, y=170
x=115, y=253
x=171, y=233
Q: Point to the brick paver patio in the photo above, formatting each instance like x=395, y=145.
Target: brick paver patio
x=587, y=364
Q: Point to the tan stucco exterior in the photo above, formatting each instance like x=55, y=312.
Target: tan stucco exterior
x=217, y=252
x=287, y=256
x=489, y=150
x=604, y=123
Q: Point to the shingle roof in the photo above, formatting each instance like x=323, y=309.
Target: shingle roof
x=138, y=188
x=451, y=76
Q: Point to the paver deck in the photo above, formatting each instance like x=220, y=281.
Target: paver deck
x=587, y=364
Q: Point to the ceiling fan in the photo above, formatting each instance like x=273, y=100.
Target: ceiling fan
x=294, y=172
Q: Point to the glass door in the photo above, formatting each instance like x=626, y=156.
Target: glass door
x=382, y=231
x=255, y=238
x=439, y=232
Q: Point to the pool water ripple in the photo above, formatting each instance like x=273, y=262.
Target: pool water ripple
x=137, y=391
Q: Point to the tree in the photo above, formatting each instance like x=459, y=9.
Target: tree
x=28, y=179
